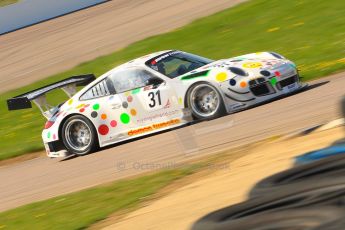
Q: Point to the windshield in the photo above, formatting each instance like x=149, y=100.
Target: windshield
x=177, y=63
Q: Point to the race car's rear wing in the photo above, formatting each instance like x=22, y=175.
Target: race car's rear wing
x=38, y=96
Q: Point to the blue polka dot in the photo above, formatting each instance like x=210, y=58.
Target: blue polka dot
x=232, y=82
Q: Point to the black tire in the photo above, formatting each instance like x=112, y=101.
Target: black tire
x=330, y=167
x=325, y=193
x=197, y=113
x=91, y=143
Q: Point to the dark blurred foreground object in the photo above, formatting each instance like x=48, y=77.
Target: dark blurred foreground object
x=336, y=149
x=320, y=154
x=298, y=198
x=287, y=209
x=343, y=107
x=327, y=168
x=309, y=196
x=304, y=218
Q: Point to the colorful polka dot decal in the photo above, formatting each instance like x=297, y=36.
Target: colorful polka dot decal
x=103, y=130
x=273, y=81
x=232, y=82
x=252, y=65
x=104, y=116
x=80, y=106
x=135, y=91
x=133, y=112
x=48, y=135
x=125, y=118
x=180, y=101
x=129, y=98
x=221, y=77
x=113, y=123
x=96, y=106
x=125, y=105
x=70, y=101
x=94, y=114
x=243, y=84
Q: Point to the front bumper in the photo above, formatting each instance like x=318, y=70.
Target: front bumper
x=261, y=90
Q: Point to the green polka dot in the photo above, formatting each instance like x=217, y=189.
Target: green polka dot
x=48, y=135
x=273, y=81
x=134, y=91
x=125, y=118
x=95, y=106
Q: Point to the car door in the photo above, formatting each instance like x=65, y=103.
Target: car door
x=149, y=100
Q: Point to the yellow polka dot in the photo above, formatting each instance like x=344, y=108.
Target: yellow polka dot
x=221, y=76
x=70, y=101
x=180, y=100
x=133, y=112
x=127, y=93
x=80, y=106
x=252, y=65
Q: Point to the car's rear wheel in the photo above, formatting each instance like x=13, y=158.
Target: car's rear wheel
x=205, y=101
x=79, y=135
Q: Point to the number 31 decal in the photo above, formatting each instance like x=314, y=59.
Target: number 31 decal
x=154, y=96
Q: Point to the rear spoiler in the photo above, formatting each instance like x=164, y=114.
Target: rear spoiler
x=68, y=85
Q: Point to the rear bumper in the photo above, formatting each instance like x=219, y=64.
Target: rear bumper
x=55, y=149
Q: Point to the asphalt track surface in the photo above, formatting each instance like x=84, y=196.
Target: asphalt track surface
x=36, y=52
x=43, y=178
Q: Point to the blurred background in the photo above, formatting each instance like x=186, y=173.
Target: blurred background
x=38, y=47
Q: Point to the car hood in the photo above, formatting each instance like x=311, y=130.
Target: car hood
x=252, y=64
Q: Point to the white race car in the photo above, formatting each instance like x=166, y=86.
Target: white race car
x=153, y=93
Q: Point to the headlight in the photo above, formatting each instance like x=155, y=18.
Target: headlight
x=277, y=55
x=265, y=73
x=238, y=71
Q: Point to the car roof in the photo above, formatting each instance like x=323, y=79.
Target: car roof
x=135, y=62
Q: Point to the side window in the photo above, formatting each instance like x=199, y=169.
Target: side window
x=129, y=79
x=99, y=90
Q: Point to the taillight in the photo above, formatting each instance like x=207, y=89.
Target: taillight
x=48, y=124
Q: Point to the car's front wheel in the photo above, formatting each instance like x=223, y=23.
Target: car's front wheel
x=79, y=135
x=205, y=101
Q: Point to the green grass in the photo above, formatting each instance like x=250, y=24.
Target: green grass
x=7, y=2
x=81, y=209
x=310, y=32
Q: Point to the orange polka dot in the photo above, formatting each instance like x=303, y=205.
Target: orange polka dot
x=104, y=116
x=243, y=84
x=133, y=112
